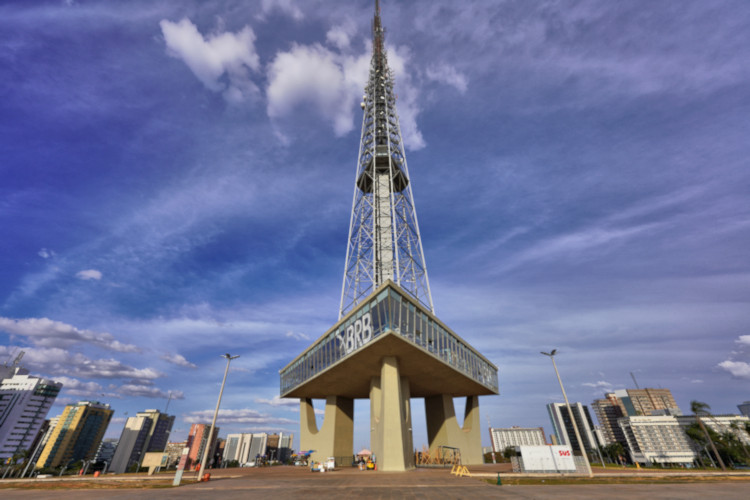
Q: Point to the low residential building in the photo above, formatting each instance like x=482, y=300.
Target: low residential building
x=732, y=424
x=174, y=452
x=657, y=439
x=502, y=438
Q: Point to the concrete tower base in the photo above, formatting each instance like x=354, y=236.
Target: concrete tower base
x=443, y=429
x=336, y=436
x=390, y=416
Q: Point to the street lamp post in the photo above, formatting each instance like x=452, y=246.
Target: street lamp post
x=216, y=413
x=570, y=412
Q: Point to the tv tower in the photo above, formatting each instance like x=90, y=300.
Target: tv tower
x=387, y=345
x=384, y=242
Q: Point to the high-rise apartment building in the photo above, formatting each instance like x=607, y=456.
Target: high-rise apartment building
x=630, y=403
x=516, y=436
x=77, y=435
x=564, y=430
x=148, y=431
x=196, y=441
x=24, y=403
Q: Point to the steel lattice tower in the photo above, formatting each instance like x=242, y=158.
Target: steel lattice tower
x=384, y=241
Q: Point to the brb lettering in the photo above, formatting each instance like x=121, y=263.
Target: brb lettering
x=356, y=335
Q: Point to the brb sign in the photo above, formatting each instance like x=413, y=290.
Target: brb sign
x=355, y=335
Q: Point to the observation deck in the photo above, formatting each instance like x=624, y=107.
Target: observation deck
x=344, y=360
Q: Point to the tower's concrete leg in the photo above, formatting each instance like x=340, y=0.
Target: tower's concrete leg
x=390, y=419
x=336, y=436
x=443, y=430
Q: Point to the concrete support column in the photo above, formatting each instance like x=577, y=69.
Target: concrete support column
x=336, y=436
x=443, y=429
x=390, y=415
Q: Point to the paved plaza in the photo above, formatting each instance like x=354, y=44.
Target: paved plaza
x=296, y=482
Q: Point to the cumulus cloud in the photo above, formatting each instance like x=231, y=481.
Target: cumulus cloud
x=179, y=360
x=744, y=340
x=739, y=369
x=211, y=58
x=448, y=75
x=315, y=76
x=75, y=387
x=286, y=7
x=89, y=274
x=44, y=332
x=244, y=416
x=46, y=253
x=340, y=36
x=63, y=362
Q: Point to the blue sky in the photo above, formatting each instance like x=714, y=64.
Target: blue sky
x=176, y=182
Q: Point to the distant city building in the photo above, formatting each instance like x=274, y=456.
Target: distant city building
x=563, y=426
x=174, y=452
x=24, y=403
x=630, y=403
x=147, y=432
x=516, y=436
x=196, y=441
x=245, y=447
x=106, y=451
x=77, y=435
x=278, y=447
x=745, y=408
x=657, y=439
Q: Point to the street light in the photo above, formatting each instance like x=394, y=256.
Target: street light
x=551, y=355
x=216, y=413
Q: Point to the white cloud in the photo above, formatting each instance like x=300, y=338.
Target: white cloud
x=407, y=107
x=230, y=54
x=89, y=274
x=284, y=6
x=600, y=384
x=44, y=332
x=738, y=369
x=276, y=401
x=179, y=360
x=296, y=336
x=63, y=362
x=448, y=75
x=46, y=253
x=744, y=340
x=148, y=391
x=75, y=387
x=318, y=77
x=244, y=416
x=340, y=36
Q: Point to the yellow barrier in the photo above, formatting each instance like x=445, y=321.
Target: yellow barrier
x=460, y=471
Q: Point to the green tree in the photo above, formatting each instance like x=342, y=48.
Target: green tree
x=614, y=451
x=700, y=409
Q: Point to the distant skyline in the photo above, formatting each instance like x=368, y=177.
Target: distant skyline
x=176, y=182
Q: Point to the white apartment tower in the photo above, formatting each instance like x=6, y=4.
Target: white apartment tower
x=25, y=401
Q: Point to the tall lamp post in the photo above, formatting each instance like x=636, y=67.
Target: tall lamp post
x=216, y=414
x=570, y=412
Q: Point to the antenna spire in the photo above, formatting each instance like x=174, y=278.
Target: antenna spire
x=384, y=242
